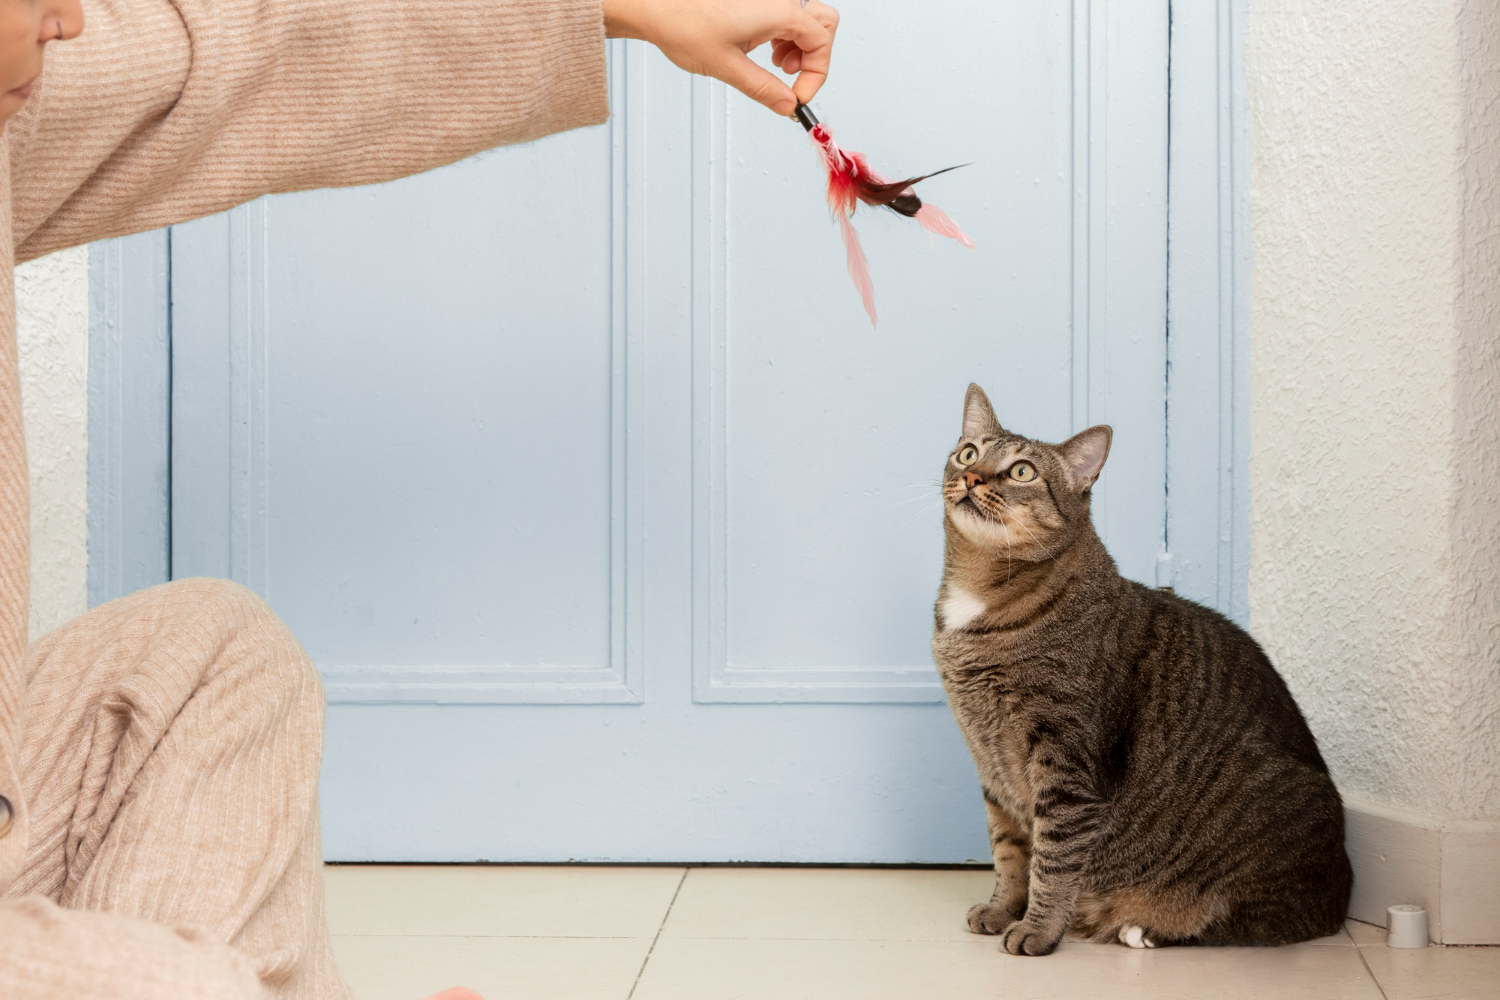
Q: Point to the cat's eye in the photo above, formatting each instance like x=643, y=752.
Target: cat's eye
x=1023, y=472
x=967, y=454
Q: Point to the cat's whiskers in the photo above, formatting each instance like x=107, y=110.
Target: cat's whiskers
x=1046, y=553
x=936, y=503
x=1002, y=525
x=991, y=506
x=927, y=485
x=1008, y=567
x=919, y=496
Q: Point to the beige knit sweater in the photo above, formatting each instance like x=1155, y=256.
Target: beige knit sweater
x=165, y=110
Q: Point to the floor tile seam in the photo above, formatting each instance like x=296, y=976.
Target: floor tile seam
x=722, y=937
x=663, y=926
x=1378, y=946
x=508, y=866
x=504, y=937
x=1381, y=945
x=925, y=940
x=816, y=940
x=1371, y=973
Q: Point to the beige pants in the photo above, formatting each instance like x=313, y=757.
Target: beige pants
x=170, y=763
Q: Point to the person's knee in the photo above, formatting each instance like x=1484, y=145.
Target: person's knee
x=55, y=952
x=198, y=602
x=206, y=592
x=221, y=632
x=253, y=641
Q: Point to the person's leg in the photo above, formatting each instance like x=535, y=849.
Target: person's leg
x=47, y=953
x=170, y=757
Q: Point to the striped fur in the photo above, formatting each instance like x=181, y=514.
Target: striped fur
x=1147, y=775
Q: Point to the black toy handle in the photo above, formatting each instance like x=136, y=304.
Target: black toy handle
x=805, y=117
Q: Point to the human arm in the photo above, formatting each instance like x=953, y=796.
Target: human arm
x=166, y=110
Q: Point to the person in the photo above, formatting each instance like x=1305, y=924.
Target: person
x=159, y=756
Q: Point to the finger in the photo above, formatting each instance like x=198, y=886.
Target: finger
x=816, y=44
x=791, y=63
x=827, y=16
x=780, y=49
x=824, y=15
x=754, y=82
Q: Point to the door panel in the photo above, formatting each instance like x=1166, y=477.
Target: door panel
x=422, y=436
x=579, y=471
x=820, y=439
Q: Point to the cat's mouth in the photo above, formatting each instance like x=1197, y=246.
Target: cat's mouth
x=966, y=503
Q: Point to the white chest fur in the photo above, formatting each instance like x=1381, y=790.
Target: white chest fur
x=959, y=608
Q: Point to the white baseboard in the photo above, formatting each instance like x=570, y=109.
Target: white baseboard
x=1449, y=866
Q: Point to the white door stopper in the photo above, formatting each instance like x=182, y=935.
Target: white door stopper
x=1406, y=927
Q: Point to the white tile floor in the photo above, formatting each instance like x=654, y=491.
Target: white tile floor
x=582, y=933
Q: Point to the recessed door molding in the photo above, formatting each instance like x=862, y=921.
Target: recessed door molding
x=221, y=483
x=1206, y=531
x=1119, y=280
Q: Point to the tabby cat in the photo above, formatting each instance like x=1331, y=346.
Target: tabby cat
x=1147, y=775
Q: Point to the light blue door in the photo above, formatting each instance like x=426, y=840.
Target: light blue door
x=578, y=470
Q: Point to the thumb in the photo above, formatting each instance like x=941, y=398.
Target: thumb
x=754, y=82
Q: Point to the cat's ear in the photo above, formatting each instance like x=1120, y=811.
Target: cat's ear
x=979, y=416
x=1084, y=454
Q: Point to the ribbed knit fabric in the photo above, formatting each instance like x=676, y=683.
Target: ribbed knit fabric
x=171, y=764
x=165, y=110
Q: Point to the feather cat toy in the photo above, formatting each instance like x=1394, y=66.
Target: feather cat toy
x=851, y=181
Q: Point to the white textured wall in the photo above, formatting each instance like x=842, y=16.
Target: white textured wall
x=1375, y=388
x=52, y=329
x=1475, y=532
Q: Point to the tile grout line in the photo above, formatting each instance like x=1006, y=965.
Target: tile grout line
x=1361, y=953
x=663, y=926
x=1373, y=978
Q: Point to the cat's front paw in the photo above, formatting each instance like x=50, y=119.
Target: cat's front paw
x=1023, y=938
x=990, y=918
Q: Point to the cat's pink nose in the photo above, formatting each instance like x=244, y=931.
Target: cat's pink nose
x=972, y=479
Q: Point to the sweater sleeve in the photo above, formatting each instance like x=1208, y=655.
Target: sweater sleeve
x=166, y=110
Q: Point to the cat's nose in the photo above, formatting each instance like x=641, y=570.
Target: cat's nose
x=972, y=479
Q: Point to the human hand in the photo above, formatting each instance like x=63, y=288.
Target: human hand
x=711, y=37
x=456, y=993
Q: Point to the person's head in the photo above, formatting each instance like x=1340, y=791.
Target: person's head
x=26, y=26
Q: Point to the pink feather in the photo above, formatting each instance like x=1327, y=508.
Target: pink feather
x=851, y=181
x=936, y=220
x=859, y=266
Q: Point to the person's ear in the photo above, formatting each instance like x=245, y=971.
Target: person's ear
x=1084, y=454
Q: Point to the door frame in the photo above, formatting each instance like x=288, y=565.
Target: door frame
x=1206, y=536
x=1208, y=308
